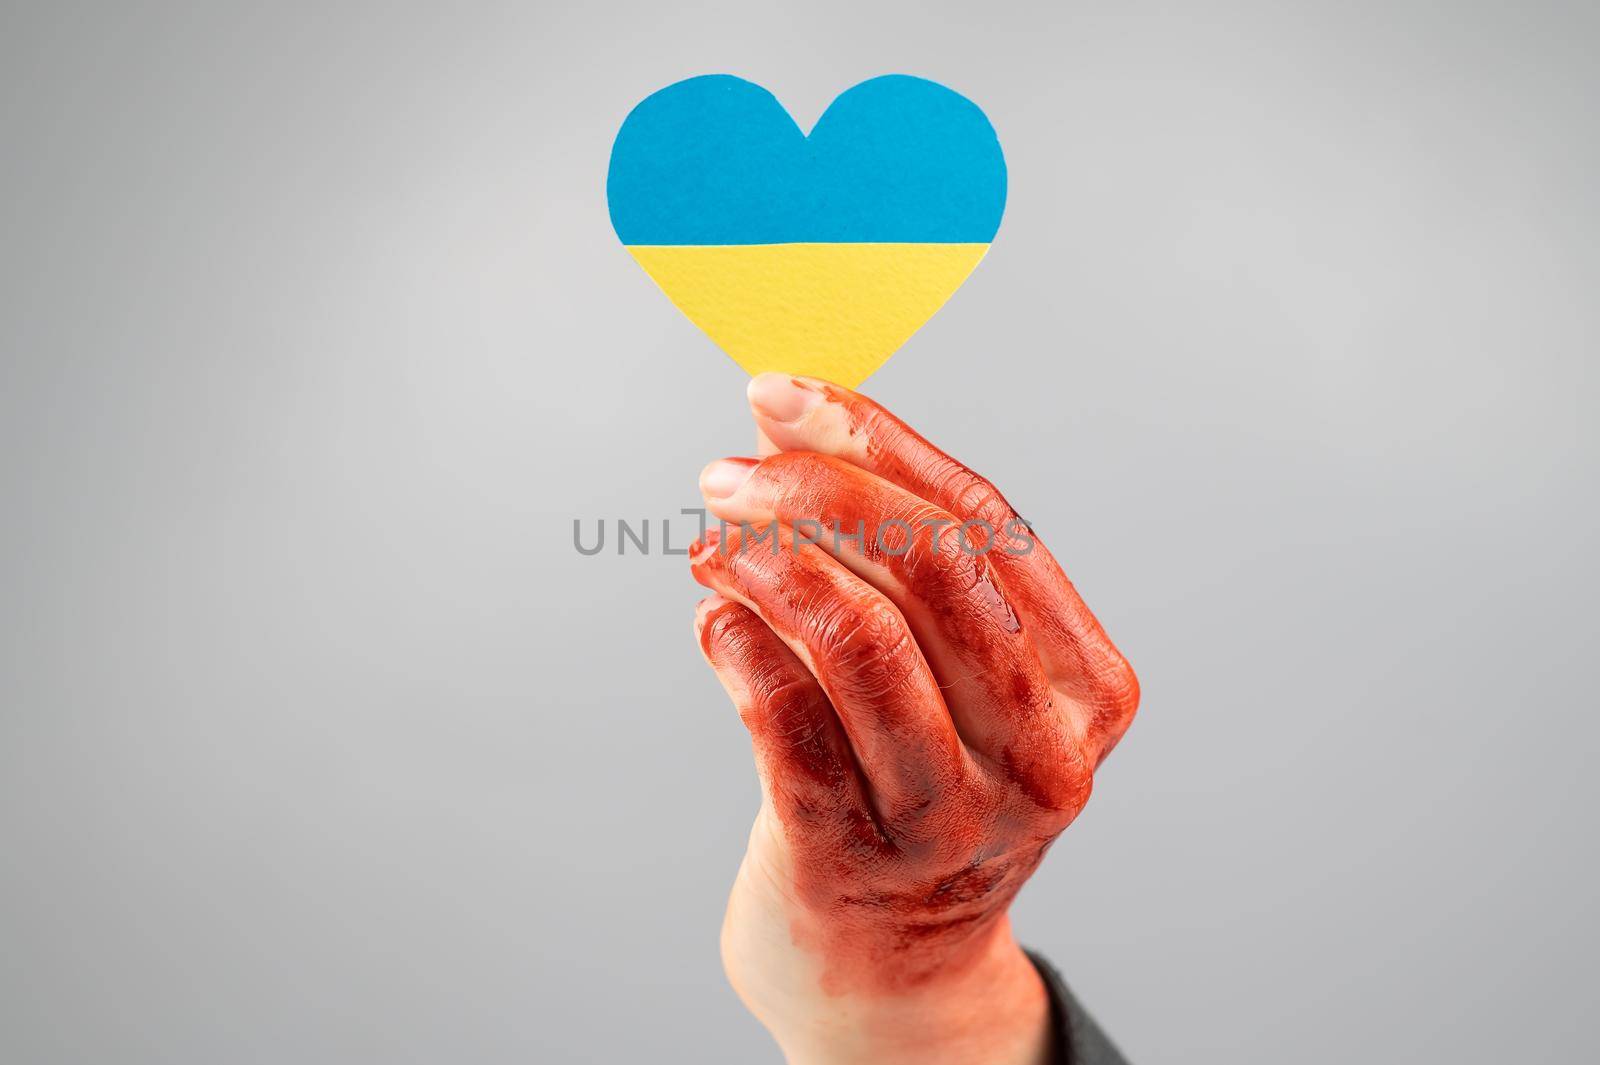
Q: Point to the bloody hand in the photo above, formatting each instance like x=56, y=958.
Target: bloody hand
x=928, y=698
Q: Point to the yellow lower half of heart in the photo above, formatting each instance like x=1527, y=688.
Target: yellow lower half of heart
x=835, y=311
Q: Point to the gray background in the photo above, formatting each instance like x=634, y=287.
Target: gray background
x=320, y=743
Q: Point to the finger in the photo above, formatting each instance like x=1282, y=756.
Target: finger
x=858, y=647
x=805, y=414
x=916, y=555
x=802, y=756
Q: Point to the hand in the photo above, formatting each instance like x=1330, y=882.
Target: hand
x=928, y=698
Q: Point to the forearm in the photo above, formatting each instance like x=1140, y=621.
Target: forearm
x=926, y=711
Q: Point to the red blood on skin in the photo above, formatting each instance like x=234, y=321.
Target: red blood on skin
x=917, y=555
x=903, y=846
x=1083, y=665
x=889, y=895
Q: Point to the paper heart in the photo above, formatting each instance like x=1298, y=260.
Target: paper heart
x=817, y=254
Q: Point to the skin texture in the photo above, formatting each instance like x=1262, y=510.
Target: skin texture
x=927, y=703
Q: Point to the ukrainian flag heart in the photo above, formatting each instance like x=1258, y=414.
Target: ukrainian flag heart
x=816, y=255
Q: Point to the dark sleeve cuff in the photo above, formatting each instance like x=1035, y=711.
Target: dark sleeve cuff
x=1075, y=1038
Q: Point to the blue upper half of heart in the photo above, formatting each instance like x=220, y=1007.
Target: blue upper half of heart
x=717, y=160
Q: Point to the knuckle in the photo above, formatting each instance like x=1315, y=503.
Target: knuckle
x=1068, y=792
x=789, y=476
x=1117, y=692
x=947, y=543
x=974, y=497
x=747, y=553
x=788, y=702
x=953, y=566
x=868, y=647
x=795, y=465
x=1113, y=702
x=1058, y=784
x=875, y=426
x=726, y=634
x=951, y=559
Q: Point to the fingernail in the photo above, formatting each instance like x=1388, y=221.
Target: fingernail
x=781, y=397
x=723, y=477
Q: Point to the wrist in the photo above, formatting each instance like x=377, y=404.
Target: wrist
x=993, y=1008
